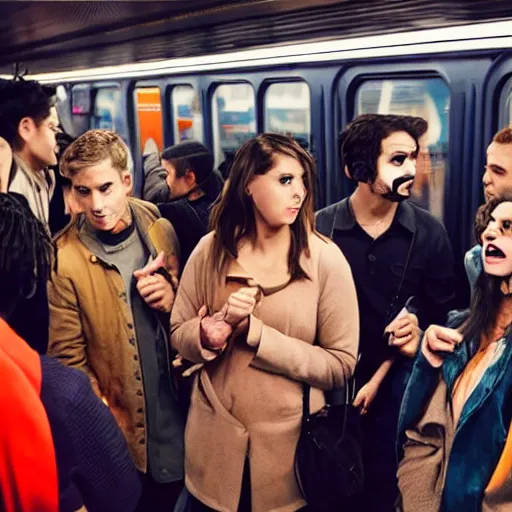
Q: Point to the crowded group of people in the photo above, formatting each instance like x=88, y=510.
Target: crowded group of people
x=154, y=351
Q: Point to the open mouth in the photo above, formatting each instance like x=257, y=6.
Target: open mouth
x=494, y=252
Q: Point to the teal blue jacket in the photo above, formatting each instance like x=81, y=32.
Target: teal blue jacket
x=482, y=429
x=473, y=265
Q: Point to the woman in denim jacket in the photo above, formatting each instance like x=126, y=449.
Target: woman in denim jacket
x=457, y=409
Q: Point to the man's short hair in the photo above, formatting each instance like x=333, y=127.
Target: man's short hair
x=196, y=157
x=504, y=136
x=20, y=99
x=360, y=142
x=92, y=148
x=190, y=155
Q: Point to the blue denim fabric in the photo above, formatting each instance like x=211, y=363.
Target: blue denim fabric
x=473, y=265
x=482, y=428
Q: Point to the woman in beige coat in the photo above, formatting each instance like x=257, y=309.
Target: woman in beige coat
x=265, y=304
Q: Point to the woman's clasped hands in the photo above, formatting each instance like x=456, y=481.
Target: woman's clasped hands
x=234, y=315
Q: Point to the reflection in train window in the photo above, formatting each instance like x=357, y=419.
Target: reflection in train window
x=288, y=110
x=107, y=109
x=428, y=98
x=187, y=114
x=506, y=105
x=234, y=118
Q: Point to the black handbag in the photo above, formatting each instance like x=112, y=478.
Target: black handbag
x=328, y=459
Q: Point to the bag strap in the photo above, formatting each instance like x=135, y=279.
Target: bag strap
x=306, y=393
x=393, y=302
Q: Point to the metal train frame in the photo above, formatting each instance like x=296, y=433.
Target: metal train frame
x=475, y=62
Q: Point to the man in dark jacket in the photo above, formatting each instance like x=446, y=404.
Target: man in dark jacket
x=193, y=187
x=399, y=254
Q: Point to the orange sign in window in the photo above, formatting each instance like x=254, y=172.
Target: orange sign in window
x=149, y=116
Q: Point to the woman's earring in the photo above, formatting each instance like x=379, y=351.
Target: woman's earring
x=248, y=193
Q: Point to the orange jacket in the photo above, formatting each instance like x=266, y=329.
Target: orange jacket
x=28, y=470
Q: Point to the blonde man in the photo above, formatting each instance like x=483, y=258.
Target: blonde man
x=109, y=308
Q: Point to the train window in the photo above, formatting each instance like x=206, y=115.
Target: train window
x=148, y=107
x=234, y=118
x=81, y=100
x=288, y=110
x=107, y=108
x=428, y=98
x=506, y=105
x=187, y=114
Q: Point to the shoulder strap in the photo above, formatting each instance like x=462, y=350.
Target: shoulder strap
x=392, y=305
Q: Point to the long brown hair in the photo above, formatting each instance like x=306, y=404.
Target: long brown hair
x=232, y=215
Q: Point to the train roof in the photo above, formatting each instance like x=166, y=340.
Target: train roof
x=52, y=37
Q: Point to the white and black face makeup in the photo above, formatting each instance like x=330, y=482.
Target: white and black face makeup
x=497, y=242
x=396, y=166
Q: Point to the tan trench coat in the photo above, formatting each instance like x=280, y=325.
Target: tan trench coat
x=247, y=402
x=92, y=328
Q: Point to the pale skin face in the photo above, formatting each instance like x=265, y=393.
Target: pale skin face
x=497, y=179
x=497, y=261
x=278, y=195
x=178, y=187
x=396, y=165
x=39, y=148
x=277, y=198
x=101, y=192
x=497, y=242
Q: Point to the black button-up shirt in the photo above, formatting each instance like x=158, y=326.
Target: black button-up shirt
x=378, y=266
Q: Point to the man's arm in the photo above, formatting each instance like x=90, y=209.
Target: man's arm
x=155, y=187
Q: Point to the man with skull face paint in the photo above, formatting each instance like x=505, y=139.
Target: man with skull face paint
x=396, y=251
x=457, y=410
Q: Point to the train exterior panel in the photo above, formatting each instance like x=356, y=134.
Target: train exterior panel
x=458, y=78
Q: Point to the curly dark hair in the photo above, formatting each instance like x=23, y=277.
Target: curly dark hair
x=487, y=295
x=20, y=99
x=360, y=142
x=484, y=213
x=26, y=252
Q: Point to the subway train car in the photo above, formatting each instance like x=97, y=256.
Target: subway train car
x=459, y=78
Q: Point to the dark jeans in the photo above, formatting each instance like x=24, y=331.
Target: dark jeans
x=189, y=503
x=379, y=428
x=158, y=497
